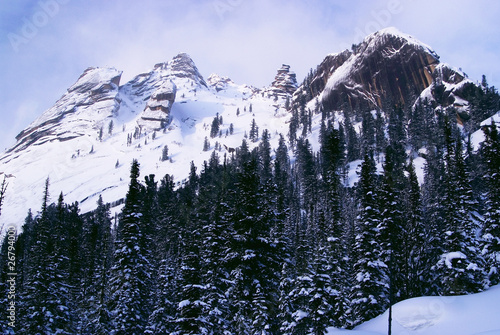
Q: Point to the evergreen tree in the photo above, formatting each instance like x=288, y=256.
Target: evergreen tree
x=97, y=255
x=254, y=132
x=391, y=232
x=368, y=132
x=293, y=126
x=418, y=126
x=3, y=189
x=206, y=144
x=190, y=319
x=166, y=246
x=214, y=129
x=380, y=139
x=460, y=266
x=164, y=153
x=369, y=296
x=128, y=303
x=332, y=250
x=353, y=148
x=265, y=167
x=110, y=128
x=307, y=173
x=254, y=271
x=162, y=318
x=491, y=230
x=434, y=217
x=46, y=298
x=414, y=237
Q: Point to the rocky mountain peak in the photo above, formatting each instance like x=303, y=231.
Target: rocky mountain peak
x=285, y=82
x=387, y=68
x=92, y=99
x=183, y=66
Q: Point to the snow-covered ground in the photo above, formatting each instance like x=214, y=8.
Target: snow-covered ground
x=476, y=314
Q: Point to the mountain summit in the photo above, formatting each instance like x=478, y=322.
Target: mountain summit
x=387, y=68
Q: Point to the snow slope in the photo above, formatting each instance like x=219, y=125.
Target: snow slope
x=82, y=167
x=458, y=315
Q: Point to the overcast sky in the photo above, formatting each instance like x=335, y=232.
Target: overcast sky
x=45, y=45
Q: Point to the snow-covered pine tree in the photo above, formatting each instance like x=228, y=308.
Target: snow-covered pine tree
x=212, y=212
x=254, y=274
x=306, y=174
x=129, y=303
x=460, y=267
x=3, y=189
x=389, y=232
x=46, y=298
x=380, y=140
x=96, y=250
x=322, y=296
x=368, y=132
x=253, y=135
x=433, y=214
x=352, y=141
x=491, y=229
x=214, y=128
x=189, y=317
x=298, y=321
x=415, y=235
x=370, y=290
x=332, y=160
x=166, y=251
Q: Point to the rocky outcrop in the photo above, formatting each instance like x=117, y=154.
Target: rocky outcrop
x=156, y=113
x=284, y=84
x=450, y=88
x=86, y=104
x=388, y=68
x=219, y=83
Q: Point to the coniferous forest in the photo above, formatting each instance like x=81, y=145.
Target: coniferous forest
x=267, y=241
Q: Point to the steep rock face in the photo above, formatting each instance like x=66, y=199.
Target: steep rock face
x=153, y=93
x=388, y=68
x=91, y=100
x=285, y=83
x=156, y=114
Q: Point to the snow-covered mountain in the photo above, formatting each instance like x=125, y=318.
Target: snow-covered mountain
x=73, y=144
x=388, y=68
x=86, y=141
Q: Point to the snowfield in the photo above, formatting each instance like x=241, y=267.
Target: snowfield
x=475, y=314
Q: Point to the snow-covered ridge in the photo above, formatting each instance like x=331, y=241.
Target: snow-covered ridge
x=394, y=32
x=85, y=105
